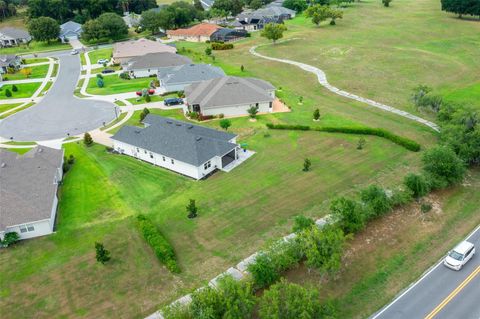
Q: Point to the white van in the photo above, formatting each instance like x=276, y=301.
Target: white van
x=460, y=255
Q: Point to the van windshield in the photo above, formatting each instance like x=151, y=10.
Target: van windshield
x=456, y=255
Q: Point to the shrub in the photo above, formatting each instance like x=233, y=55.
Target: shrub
x=289, y=300
x=8, y=93
x=225, y=124
x=202, y=117
x=242, y=68
x=99, y=76
x=14, y=88
x=444, y=166
x=361, y=143
x=71, y=159
x=349, y=215
x=301, y=223
x=208, y=51
x=401, y=197
x=271, y=262
x=375, y=198
x=101, y=254
x=316, y=114
x=177, y=311
x=9, y=238
x=323, y=248
x=425, y=207
x=100, y=83
x=252, y=111
x=87, y=139
x=144, y=112
x=221, y=46
x=161, y=247
x=124, y=76
x=306, y=165
x=193, y=115
x=417, y=184
x=148, y=98
x=238, y=298
x=207, y=303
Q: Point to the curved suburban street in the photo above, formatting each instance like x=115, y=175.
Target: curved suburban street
x=59, y=114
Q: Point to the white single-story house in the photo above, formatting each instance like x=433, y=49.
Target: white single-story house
x=13, y=36
x=9, y=61
x=191, y=150
x=230, y=96
x=151, y=63
x=126, y=50
x=28, y=191
x=70, y=30
x=177, y=78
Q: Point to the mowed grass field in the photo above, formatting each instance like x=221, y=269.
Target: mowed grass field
x=25, y=90
x=38, y=72
x=114, y=85
x=238, y=212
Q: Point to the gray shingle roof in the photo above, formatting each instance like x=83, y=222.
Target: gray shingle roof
x=70, y=27
x=185, y=142
x=229, y=90
x=27, y=188
x=15, y=33
x=190, y=73
x=8, y=59
x=157, y=60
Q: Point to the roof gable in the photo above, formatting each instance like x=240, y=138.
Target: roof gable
x=190, y=73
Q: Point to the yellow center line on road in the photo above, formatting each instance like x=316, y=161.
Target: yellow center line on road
x=453, y=294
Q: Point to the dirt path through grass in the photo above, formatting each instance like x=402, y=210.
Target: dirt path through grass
x=322, y=79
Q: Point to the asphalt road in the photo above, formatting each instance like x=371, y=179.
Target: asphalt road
x=59, y=113
x=441, y=293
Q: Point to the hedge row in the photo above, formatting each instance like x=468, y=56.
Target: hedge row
x=402, y=141
x=161, y=247
x=221, y=46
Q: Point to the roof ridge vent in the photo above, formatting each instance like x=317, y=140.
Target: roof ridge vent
x=3, y=164
x=198, y=138
x=169, y=122
x=189, y=126
x=178, y=124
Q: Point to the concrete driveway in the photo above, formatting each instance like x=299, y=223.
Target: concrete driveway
x=59, y=113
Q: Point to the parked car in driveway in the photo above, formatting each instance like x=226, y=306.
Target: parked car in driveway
x=173, y=101
x=102, y=61
x=460, y=255
x=106, y=71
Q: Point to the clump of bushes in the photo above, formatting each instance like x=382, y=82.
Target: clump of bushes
x=124, y=76
x=221, y=46
x=161, y=247
x=9, y=239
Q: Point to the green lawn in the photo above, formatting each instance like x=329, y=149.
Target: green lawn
x=6, y=107
x=38, y=72
x=25, y=90
x=26, y=106
x=233, y=221
x=114, y=85
x=100, y=54
x=35, y=47
x=35, y=60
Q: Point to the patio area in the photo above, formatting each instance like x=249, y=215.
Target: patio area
x=243, y=155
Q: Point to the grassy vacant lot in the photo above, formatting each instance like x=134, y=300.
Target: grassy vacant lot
x=38, y=72
x=6, y=107
x=234, y=221
x=381, y=53
x=114, y=85
x=100, y=54
x=24, y=90
x=35, y=47
x=26, y=106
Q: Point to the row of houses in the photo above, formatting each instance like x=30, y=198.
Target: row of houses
x=10, y=36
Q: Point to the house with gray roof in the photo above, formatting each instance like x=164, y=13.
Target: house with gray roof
x=177, y=78
x=13, y=36
x=70, y=30
x=191, y=150
x=256, y=20
x=151, y=63
x=230, y=96
x=28, y=191
x=9, y=61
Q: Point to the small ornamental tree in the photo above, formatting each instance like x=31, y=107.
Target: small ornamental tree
x=8, y=93
x=14, y=88
x=252, y=111
x=87, y=139
x=192, y=209
x=148, y=98
x=273, y=31
x=144, y=114
x=361, y=143
x=318, y=13
x=306, y=165
x=225, y=124
x=100, y=83
x=208, y=51
x=242, y=68
x=101, y=254
x=316, y=114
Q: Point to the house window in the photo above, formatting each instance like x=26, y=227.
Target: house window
x=207, y=165
x=145, y=151
x=138, y=150
x=173, y=162
x=151, y=155
x=26, y=228
x=163, y=157
x=256, y=104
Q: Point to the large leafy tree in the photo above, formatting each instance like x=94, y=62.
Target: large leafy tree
x=462, y=7
x=443, y=166
x=273, y=31
x=233, y=7
x=318, y=13
x=44, y=29
x=349, y=214
x=297, y=5
x=106, y=26
x=150, y=21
